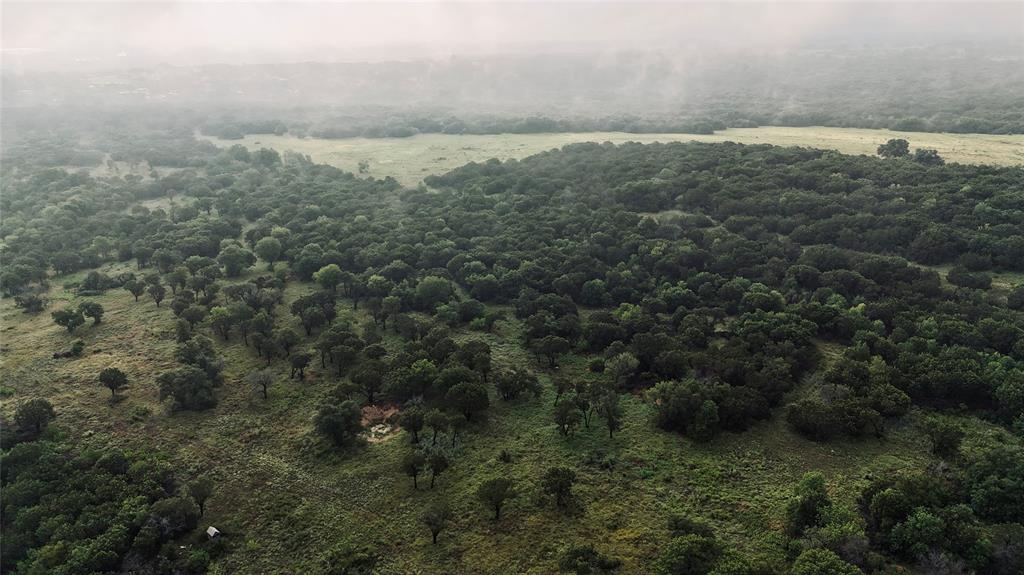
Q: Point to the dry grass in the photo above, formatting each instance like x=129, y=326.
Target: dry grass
x=409, y=160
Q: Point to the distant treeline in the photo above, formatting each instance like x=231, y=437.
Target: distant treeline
x=404, y=123
x=409, y=124
x=921, y=89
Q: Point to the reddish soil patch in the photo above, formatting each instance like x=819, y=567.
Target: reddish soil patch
x=374, y=414
x=380, y=422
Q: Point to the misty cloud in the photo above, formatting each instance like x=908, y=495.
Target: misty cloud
x=119, y=34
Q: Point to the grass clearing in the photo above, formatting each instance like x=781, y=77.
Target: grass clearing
x=411, y=159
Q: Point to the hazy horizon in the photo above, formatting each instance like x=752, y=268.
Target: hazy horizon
x=89, y=35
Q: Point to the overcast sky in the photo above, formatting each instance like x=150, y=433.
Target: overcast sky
x=132, y=33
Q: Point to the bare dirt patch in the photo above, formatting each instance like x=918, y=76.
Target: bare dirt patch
x=380, y=422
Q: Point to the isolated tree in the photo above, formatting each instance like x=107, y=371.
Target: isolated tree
x=69, y=319
x=927, y=157
x=91, y=309
x=195, y=263
x=135, y=287
x=182, y=330
x=34, y=414
x=1015, y=299
x=436, y=517
x=261, y=380
x=567, y=417
x=894, y=148
x=562, y=386
x=412, y=465
x=142, y=255
x=438, y=464
x=585, y=560
x=412, y=421
x=822, y=562
x=810, y=497
x=299, y=362
x=177, y=279
x=221, y=320
x=157, y=292
x=557, y=482
x=286, y=338
x=193, y=314
x=433, y=290
x=945, y=437
x=688, y=555
x=369, y=379
x=312, y=317
x=494, y=493
x=166, y=259
x=437, y=421
x=469, y=397
x=113, y=379
x=608, y=408
x=456, y=423
x=175, y=515
x=235, y=259
x=340, y=423
x=201, y=489
x=241, y=316
x=329, y=277
x=189, y=387
x=620, y=367
x=511, y=383
x=551, y=347
x=269, y=249
x=31, y=303
x=391, y=306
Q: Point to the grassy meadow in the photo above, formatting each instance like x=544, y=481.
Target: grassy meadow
x=411, y=159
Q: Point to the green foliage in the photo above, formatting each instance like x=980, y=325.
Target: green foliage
x=436, y=518
x=686, y=406
x=766, y=274
x=269, y=249
x=69, y=319
x=189, y=387
x=329, y=277
x=511, y=383
x=200, y=491
x=557, y=482
x=494, y=493
x=432, y=291
x=348, y=559
x=894, y=148
x=822, y=562
x=412, y=465
x=34, y=414
x=688, y=555
x=99, y=502
x=945, y=437
x=113, y=379
x=469, y=397
x=586, y=560
x=927, y=157
x=341, y=423
x=810, y=498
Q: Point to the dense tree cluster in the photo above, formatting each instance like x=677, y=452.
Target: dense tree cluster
x=74, y=510
x=755, y=254
x=964, y=517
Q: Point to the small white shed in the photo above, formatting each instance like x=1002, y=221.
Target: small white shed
x=212, y=532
